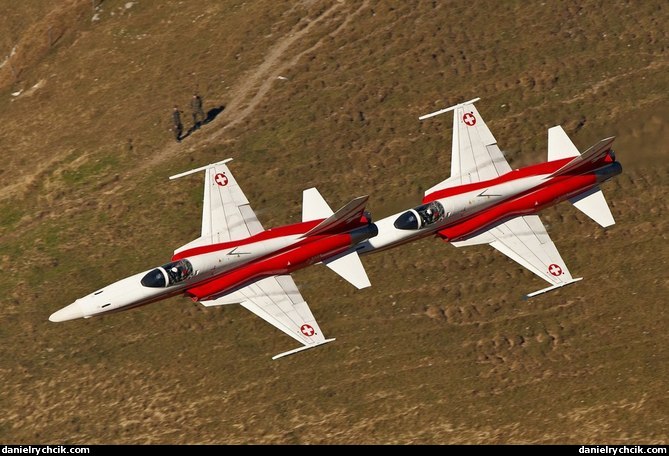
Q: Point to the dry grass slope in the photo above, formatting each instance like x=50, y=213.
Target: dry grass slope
x=441, y=349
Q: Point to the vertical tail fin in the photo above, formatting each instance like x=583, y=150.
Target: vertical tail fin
x=348, y=216
x=599, y=152
x=349, y=267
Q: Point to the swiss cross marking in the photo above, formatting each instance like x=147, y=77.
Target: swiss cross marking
x=555, y=270
x=221, y=179
x=469, y=119
x=307, y=330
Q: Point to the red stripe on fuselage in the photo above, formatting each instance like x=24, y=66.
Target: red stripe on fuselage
x=553, y=191
x=318, y=248
x=528, y=171
x=287, y=230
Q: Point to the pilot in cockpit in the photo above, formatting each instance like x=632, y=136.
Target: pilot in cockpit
x=431, y=215
x=420, y=217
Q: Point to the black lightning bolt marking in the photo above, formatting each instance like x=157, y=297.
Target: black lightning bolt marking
x=234, y=252
x=483, y=193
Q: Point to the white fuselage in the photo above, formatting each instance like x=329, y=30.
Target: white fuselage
x=456, y=208
x=130, y=292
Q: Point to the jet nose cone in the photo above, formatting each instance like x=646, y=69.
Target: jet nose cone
x=67, y=313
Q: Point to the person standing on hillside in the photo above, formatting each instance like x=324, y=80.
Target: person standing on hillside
x=198, y=113
x=177, y=126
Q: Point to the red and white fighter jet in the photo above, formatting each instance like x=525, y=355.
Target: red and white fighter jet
x=486, y=202
x=236, y=261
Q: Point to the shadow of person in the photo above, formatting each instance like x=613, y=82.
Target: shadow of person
x=212, y=113
x=187, y=133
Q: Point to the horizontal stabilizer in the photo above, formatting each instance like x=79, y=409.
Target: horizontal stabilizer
x=350, y=268
x=593, y=154
x=314, y=207
x=593, y=204
x=559, y=145
x=343, y=217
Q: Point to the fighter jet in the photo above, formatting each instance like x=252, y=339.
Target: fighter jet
x=484, y=201
x=236, y=261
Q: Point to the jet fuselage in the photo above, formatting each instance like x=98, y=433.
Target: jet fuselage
x=211, y=270
x=464, y=210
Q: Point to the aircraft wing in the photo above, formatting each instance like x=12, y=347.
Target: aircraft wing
x=278, y=301
x=475, y=154
x=525, y=240
x=226, y=212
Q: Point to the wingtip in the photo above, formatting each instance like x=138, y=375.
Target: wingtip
x=299, y=349
x=201, y=168
x=450, y=108
x=551, y=288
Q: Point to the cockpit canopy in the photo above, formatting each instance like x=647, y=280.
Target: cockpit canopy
x=168, y=274
x=421, y=216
